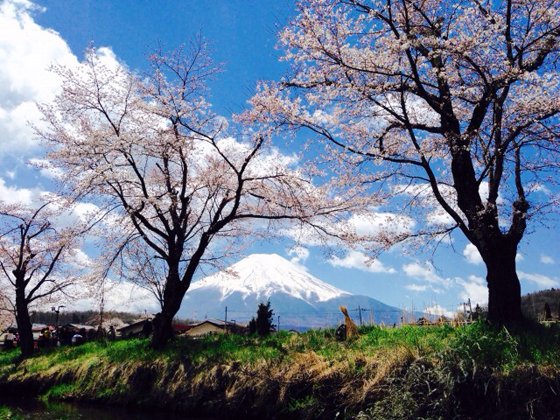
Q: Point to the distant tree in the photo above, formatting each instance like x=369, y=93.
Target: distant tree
x=478, y=313
x=36, y=261
x=263, y=322
x=547, y=312
x=181, y=190
x=252, y=326
x=449, y=106
x=533, y=303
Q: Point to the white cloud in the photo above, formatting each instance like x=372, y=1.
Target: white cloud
x=475, y=289
x=546, y=259
x=540, y=279
x=119, y=296
x=424, y=272
x=427, y=273
x=376, y=223
x=484, y=191
x=472, y=255
x=84, y=211
x=360, y=261
x=81, y=259
x=436, y=215
x=14, y=195
x=27, y=50
x=417, y=287
x=299, y=255
x=46, y=168
x=373, y=227
x=439, y=217
x=438, y=310
x=537, y=187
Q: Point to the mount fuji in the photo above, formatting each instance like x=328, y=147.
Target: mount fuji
x=300, y=299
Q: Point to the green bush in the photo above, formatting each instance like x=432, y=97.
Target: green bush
x=7, y=413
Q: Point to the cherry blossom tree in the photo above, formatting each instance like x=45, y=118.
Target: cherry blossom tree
x=182, y=191
x=450, y=105
x=6, y=312
x=35, y=262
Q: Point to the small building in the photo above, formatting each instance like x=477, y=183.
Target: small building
x=78, y=327
x=180, y=329
x=215, y=326
x=85, y=330
x=136, y=329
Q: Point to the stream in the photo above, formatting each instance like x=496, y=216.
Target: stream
x=20, y=408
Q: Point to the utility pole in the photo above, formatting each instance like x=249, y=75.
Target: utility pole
x=57, y=312
x=278, y=323
x=225, y=320
x=360, y=313
x=360, y=310
x=102, y=307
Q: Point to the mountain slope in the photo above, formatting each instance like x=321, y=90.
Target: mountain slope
x=299, y=298
x=266, y=274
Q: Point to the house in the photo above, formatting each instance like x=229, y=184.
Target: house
x=215, y=326
x=139, y=328
x=36, y=330
x=78, y=327
x=181, y=328
x=106, y=322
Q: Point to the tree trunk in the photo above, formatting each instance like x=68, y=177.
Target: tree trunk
x=24, y=327
x=163, y=321
x=163, y=329
x=504, y=290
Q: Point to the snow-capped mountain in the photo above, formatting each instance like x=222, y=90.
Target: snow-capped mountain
x=299, y=298
x=263, y=275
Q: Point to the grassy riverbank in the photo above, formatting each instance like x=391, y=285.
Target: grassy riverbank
x=432, y=372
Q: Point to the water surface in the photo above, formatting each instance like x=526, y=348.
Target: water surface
x=22, y=408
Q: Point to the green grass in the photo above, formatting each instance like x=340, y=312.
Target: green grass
x=59, y=391
x=7, y=413
x=484, y=345
x=305, y=403
x=410, y=369
x=9, y=357
x=505, y=348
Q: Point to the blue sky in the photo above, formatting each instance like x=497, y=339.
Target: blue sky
x=242, y=35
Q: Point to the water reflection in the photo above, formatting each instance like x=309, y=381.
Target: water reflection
x=35, y=409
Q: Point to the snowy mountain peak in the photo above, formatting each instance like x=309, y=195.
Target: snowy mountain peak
x=266, y=274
